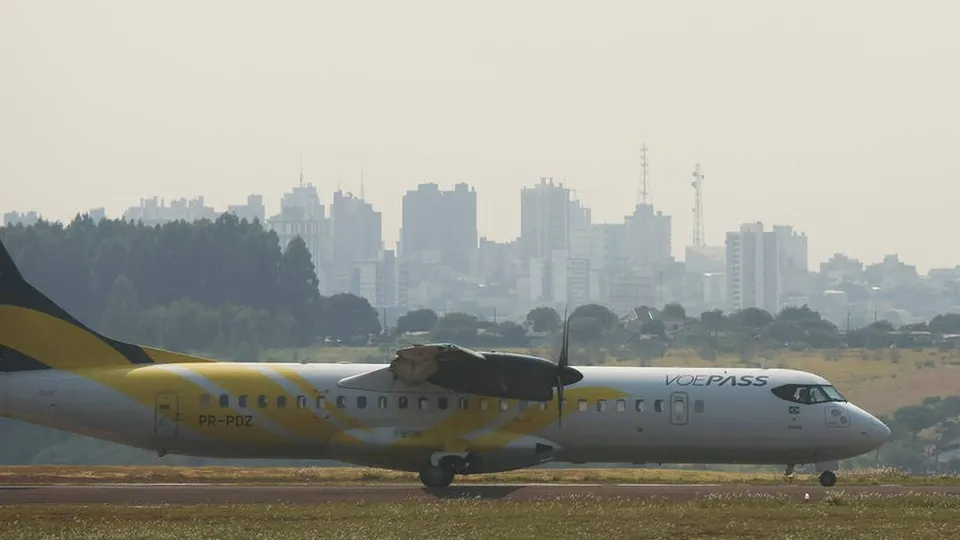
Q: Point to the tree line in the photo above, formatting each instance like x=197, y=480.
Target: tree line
x=222, y=287
x=650, y=333
x=914, y=427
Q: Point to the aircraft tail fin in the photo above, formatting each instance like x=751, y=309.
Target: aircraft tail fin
x=37, y=334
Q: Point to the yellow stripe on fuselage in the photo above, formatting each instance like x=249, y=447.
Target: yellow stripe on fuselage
x=143, y=383
x=54, y=342
x=238, y=380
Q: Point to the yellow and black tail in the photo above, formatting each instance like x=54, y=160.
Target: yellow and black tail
x=37, y=334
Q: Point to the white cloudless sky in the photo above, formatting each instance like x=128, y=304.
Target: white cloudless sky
x=839, y=118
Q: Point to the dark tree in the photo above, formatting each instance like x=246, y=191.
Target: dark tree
x=674, y=311
x=512, y=334
x=347, y=316
x=298, y=291
x=418, y=320
x=543, y=319
x=459, y=328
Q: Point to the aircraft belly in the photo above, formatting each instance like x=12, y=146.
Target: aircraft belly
x=652, y=438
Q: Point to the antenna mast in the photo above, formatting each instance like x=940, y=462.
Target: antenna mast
x=643, y=190
x=699, y=239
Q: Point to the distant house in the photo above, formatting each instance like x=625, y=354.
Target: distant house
x=640, y=314
x=680, y=331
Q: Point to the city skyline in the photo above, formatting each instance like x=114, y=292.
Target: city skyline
x=839, y=119
x=390, y=237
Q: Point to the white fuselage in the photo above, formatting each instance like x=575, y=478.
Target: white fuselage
x=615, y=414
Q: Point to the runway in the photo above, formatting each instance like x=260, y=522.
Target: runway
x=194, y=494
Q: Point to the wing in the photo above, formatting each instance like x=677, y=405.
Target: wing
x=456, y=368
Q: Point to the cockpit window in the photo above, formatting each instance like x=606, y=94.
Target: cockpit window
x=808, y=394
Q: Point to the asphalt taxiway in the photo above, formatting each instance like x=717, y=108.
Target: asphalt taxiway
x=193, y=494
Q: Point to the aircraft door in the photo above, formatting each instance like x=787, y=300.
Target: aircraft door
x=836, y=416
x=679, y=412
x=166, y=418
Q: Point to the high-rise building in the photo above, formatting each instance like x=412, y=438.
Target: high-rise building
x=440, y=225
x=544, y=219
x=753, y=269
x=794, y=272
x=357, y=240
x=580, y=224
x=252, y=211
x=301, y=214
x=16, y=218
x=151, y=212
x=647, y=237
x=356, y=228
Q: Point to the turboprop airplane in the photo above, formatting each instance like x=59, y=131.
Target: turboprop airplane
x=438, y=409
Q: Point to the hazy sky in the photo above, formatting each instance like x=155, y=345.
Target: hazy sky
x=841, y=118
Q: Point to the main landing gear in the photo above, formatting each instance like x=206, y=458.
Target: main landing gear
x=439, y=471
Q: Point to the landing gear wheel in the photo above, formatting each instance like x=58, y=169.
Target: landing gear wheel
x=436, y=477
x=828, y=479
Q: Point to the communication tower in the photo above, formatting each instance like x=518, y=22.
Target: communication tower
x=643, y=190
x=698, y=234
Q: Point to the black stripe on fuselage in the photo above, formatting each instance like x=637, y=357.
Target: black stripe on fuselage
x=16, y=291
x=13, y=360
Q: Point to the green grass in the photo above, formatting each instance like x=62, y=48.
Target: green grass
x=720, y=517
x=55, y=474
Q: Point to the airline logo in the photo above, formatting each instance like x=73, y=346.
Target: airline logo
x=716, y=380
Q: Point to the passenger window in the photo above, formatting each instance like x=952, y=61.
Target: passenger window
x=464, y=404
x=262, y=401
x=621, y=405
x=658, y=405
x=382, y=402
x=442, y=404
x=205, y=400
x=281, y=402
x=424, y=403
x=301, y=402
x=581, y=404
x=242, y=402
x=341, y=402
x=321, y=402
x=601, y=405
x=639, y=405
x=402, y=402
x=504, y=405
x=224, y=400
x=484, y=404
x=361, y=402
x=698, y=406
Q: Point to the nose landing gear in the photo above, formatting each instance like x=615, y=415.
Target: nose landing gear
x=828, y=479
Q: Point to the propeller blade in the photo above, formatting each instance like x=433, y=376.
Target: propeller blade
x=562, y=362
x=559, y=403
x=564, y=359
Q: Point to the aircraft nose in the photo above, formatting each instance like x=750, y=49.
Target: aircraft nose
x=873, y=429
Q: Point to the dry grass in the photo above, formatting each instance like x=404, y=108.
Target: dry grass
x=55, y=474
x=722, y=517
